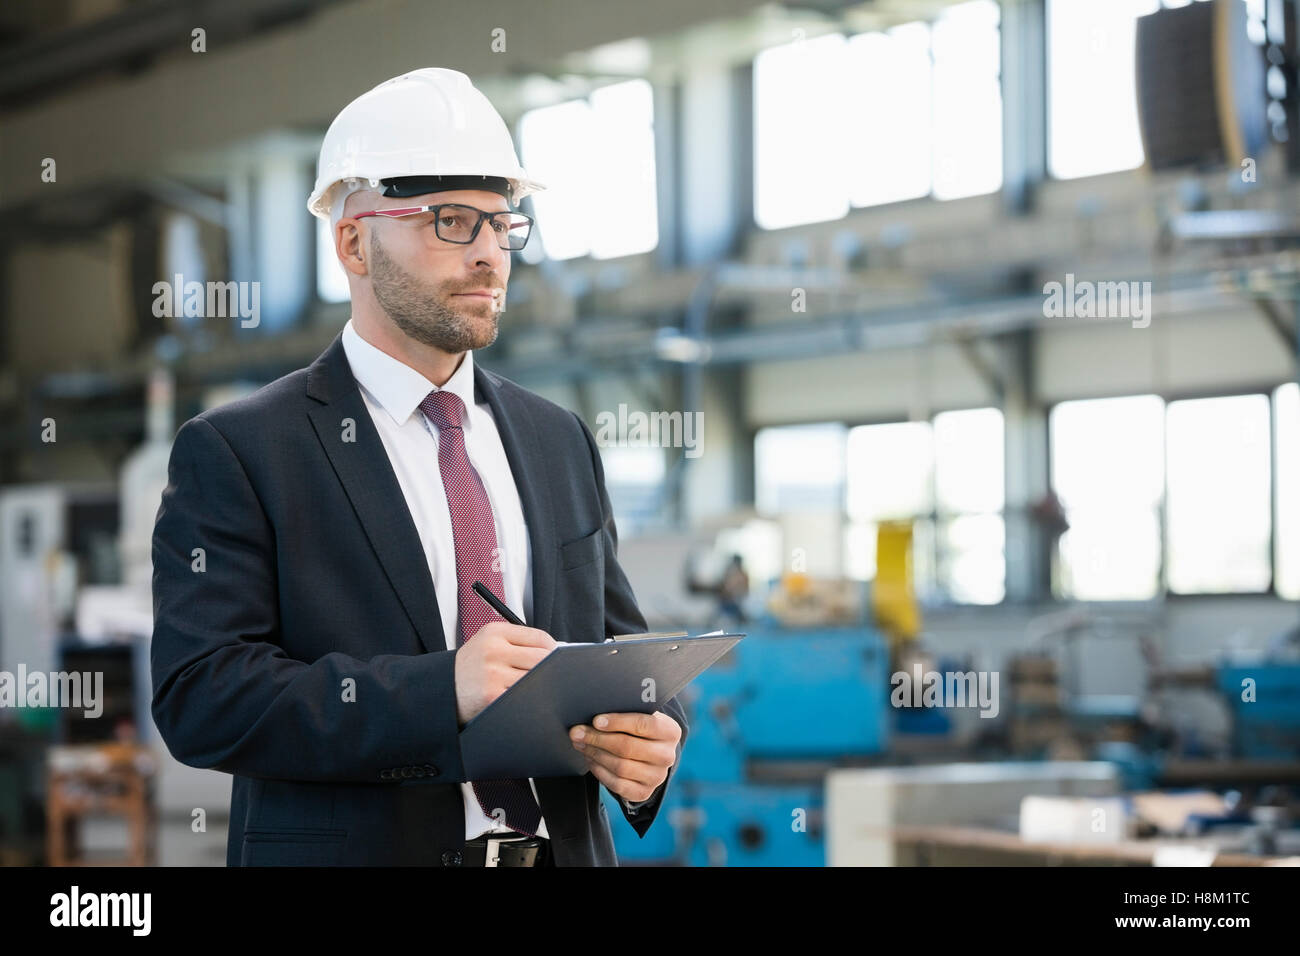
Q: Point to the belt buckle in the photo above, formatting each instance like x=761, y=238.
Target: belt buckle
x=490, y=854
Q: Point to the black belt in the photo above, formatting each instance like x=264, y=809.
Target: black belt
x=503, y=849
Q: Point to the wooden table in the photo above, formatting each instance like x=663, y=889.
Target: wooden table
x=975, y=846
x=113, y=779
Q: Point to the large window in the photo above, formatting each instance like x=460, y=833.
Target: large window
x=596, y=158
x=969, y=494
x=1092, y=99
x=799, y=468
x=966, y=48
x=897, y=60
x=944, y=476
x=1178, y=497
x=922, y=116
x=947, y=478
x=800, y=159
x=1218, y=509
x=1107, y=466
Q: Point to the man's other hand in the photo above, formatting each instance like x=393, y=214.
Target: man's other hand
x=630, y=754
x=492, y=660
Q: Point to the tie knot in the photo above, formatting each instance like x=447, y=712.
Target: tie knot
x=444, y=408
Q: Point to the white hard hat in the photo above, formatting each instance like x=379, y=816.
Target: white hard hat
x=431, y=125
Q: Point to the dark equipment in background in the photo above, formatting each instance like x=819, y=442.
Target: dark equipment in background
x=1202, y=87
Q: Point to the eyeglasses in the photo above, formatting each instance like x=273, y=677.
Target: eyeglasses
x=458, y=223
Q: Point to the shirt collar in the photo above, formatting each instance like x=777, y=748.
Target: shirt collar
x=397, y=387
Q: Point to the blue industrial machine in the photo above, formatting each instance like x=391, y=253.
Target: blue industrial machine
x=1263, y=700
x=766, y=722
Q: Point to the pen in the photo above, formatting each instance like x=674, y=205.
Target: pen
x=496, y=604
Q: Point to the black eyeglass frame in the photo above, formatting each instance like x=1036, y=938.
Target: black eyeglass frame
x=403, y=211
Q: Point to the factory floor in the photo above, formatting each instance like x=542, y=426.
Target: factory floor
x=177, y=844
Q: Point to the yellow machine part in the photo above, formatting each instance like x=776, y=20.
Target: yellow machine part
x=893, y=595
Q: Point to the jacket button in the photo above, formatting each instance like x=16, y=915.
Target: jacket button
x=451, y=858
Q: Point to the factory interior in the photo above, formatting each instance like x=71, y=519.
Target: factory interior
x=950, y=356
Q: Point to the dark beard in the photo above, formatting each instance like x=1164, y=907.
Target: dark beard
x=416, y=309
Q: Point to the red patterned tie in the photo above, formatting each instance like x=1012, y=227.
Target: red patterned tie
x=477, y=559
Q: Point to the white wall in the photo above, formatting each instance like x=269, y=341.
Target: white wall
x=1082, y=358
x=886, y=385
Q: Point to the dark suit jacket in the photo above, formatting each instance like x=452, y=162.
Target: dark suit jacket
x=311, y=573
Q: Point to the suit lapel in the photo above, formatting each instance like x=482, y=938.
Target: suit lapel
x=367, y=476
x=519, y=438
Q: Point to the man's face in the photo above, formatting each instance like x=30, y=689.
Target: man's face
x=443, y=294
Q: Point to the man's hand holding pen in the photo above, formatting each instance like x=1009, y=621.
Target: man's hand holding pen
x=492, y=660
x=503, y=652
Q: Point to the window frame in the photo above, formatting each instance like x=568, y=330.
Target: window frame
x=934, y=515
x=589, y=257
x=1169, y=396
x=893, y=205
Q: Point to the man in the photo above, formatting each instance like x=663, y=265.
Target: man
x=316, y=634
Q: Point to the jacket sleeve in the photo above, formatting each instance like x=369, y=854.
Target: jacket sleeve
x=622, y=616
x=226, y=696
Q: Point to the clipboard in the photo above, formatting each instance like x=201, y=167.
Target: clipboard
x=525, y=731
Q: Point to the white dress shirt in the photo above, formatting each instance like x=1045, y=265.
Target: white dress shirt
x=393, y=392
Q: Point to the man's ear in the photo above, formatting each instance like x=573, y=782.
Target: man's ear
x=350, y=246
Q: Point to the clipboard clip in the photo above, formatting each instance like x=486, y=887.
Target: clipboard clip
x=644, y=637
